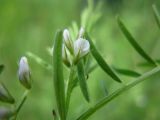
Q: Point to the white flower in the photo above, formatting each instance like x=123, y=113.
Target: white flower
x=24, y=72
x=81, y=48
x=81, y=32
x=67, y=40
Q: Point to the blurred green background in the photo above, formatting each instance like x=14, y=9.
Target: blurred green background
x=29, y=25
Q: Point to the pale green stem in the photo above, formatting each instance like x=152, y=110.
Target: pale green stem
x=24, y=97
x=118, y=92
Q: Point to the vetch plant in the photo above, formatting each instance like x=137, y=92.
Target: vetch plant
x=74, y=49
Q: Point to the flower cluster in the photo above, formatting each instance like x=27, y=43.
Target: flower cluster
x=73, y=51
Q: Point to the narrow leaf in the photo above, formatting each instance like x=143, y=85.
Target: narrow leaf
x=107, y=99
x=82, y=80
x=134, y=43
x=101, y=61
x=126, y=72
x=156, y=15
x=1, y=68
x=58, y=75
x=145, y=64
x=5, y=95
x=39, y=60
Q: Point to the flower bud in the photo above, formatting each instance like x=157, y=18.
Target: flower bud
x=6, y=113
x=81, y=48
x=65, y=56
x=24, y=73
x=5, y=96
x=81, y=32
x=67, y=40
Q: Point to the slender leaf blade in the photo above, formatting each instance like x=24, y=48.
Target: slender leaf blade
x=39, y=60
x=82, y=80
x=127, y=72
x=101, y=62
x=146, y=64
x=1, y=68
x=156, y=15
x=109, y=98
x=134, y=43
x=58, y=75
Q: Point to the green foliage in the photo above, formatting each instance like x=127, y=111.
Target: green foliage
x=126, y=72
x=1, y=68
x=156, y=15
x=68, y=102
x=101, y=61
x=107, y=99
x=82, y=80
x=133, y=42
x=58, y=75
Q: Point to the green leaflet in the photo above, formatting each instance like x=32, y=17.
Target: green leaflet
x=145, y=64
x=156, y=15
x=1, y=68
x=127, y=72
x=107, y=99
x=101, y=61
x=5, y=95
x=134, y=43
x=82, y=80
x=39, y=60
x=58, y=75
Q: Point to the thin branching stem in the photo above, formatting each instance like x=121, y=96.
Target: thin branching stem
x=118, y=92
x=24, y=97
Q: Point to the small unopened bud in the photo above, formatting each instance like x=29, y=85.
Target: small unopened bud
x=5, y=96
x=65, y=56
x=67, y=40
x=81, y=32
x=24, y=73
x=6, y=113
x=81, y=48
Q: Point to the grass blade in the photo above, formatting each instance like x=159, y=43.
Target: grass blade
x=101, y=61
x=156, y=15
x=1, y=68
x=133, y=42
x=82, y=80
x=58, y=75
x=126, y=72
x=105, y=100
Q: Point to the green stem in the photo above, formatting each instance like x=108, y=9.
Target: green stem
x=24, y=97
x=70, y=87
x=118, y=92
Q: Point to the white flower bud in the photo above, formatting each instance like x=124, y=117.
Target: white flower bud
x=24, y=73
x=81, y=32
x=81, y=48
x=65, y=56
x=67, y=40
x=6, y=113
x=66, y=34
